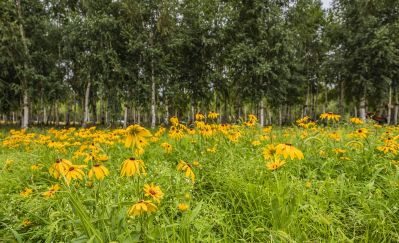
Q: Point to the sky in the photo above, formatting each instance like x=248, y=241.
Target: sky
x=326, y=3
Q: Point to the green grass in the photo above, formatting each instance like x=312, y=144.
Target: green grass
x=234, y=199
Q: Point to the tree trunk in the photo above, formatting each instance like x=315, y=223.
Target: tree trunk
x=25, y=114
x=325, y=100
x=396, y=110
x=153, y=113
x=280, y=115
x=45, y=116
x=262, y=113
x=362, y=106
x=192, y=118
x=341, y=98
x=307, y=100
x=125, y=116
x=389, y=105
x=24, y=83
x=57, y=115
x=86, y=118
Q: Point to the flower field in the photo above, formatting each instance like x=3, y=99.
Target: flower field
x=314, y=181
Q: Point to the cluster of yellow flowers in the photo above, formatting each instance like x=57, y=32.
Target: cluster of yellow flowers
x=83, y=155
x=274, y=154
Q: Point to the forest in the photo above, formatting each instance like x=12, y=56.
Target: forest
x=114, y=62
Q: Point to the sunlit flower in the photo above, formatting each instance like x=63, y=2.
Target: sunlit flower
x=356, y=120
x=26, y=192
x=74, y=172
x=136, y=136
x=360, y=133
x=26, y=222
x=213, y=115
x=59, y=168
x=132, y=166
x=199, y=116
x=288, y=150
x=35, y=167
x=269, y=152
x=176, y=133
x=339, y=151
x=335, y=136
x=182, y=207
x=167, y=147
x=153, y=191
x=330, y=116
x=275, y=164
x=267, y=129
x=51, y=191
x=99, y=171
x=183, y=166
x=142, y=206
x=211, y=150
x=174, y=120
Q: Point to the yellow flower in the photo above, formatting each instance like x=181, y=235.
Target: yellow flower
x=153, y=191
x=356, y=120
x=183, y=166
x=141, y=207
x=269, y=152
x=339, y=151
x=51, y=191
x=26, y=192
x=167, y=147
x=267, y=129
x=26, y=222
x=274, y=165
x=182, y=207
x=256, y=143
x=74, y=172
x=196, y=163
x=335, y=136
x=139, y=151
x=288, y=150
x=35, y=167
x=59, y=168
x=206, y=131
x=100, y=171
x=212, y=149
x=174, y=120
x=330, y=116
x=360, y=133
x=191, y=131
x=176, y=133
x=199, y=116
x=213, y=115
x=132, y=166
x=135, y=133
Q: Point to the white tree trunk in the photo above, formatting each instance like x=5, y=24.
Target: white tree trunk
x=86, y=111
x=57, y=115
x=45, y=117
x=389, y=105
x=362, y=108
x=125, y=117
x=153, y=108
x=280, y=116
x=192, y=118
x=25, y=114
x=396, y=110
x=262, y=113
x=24, y=84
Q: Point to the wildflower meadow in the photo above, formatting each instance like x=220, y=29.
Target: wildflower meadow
x=328, y=180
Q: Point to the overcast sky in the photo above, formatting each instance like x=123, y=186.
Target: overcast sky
x=326, y=3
